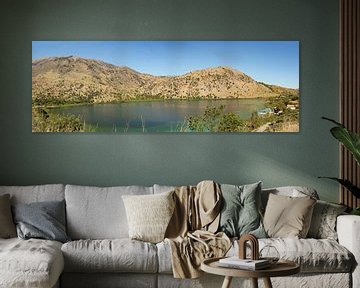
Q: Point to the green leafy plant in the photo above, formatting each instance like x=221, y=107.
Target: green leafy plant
x=215, y=119
x=351, y=141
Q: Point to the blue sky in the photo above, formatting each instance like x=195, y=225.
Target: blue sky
x=272, y=62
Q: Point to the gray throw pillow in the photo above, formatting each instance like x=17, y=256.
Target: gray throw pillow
x=7, y=227
x=240, y=213
x=323, y=222
x=44, y=220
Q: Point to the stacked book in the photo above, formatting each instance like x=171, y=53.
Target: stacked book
x=248, y=264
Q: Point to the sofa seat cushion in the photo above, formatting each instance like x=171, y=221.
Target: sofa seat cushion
x=115, y=255
x=313, y=255
x=30, y=263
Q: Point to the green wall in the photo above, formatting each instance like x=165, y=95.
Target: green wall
x=106, y=159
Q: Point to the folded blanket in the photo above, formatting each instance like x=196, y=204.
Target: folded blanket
x=190, y=251
x=191, y=231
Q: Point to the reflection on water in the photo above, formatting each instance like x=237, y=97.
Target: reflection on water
x=156, y=116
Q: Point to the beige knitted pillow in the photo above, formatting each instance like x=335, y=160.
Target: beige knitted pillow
x=288, y=217
x=149, y=215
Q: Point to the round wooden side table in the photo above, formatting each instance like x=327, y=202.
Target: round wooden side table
x=281, y=268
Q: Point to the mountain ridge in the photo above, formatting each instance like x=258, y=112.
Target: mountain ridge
x=73, y=79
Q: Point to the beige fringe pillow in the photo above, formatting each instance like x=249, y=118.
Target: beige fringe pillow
x=149, y=215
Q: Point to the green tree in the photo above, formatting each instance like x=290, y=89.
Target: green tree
x=214, y=119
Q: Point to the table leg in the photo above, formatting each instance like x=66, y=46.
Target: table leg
x=254, y=282
x=227, y=282
x=267, y=283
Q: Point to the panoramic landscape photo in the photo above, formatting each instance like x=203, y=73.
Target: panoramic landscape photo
x=165, y=86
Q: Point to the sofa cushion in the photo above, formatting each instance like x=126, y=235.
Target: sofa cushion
x=313, y=255
x=43, y=220
x=36, y=193
x=287, y=216
x=149, y=215
x=7, y=226
x=163, y=188
x=164, y=257
x=98, y=213
x=117, y=255
x=291, y=191
x=240, y=210
x=323, y=222
x=30, y=263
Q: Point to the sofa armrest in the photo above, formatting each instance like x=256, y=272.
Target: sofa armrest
x=348, y=230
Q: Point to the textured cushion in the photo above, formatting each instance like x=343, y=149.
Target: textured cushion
x=149, y=215
x=240, y=210
x=36, y=193
x=291, y=191
x=117, y=255
x=98, y=213
x=7, y=227
x=313, y=255
x=32, y=263
x=44, y=220
x=323, y=222
x=164, y=257
x=287, y=216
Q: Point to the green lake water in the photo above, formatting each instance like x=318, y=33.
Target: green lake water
x=155, y=116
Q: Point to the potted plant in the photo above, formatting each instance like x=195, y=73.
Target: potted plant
x=351, y=141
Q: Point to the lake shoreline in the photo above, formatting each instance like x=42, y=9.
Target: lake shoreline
x=145, y=100
x=156, y=116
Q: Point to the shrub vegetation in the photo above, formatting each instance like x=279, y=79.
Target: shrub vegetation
x=42, y=121
x=215, y=119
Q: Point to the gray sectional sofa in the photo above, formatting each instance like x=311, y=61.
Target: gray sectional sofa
x=101, y=254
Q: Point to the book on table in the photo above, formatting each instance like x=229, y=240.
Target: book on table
x=236, y=262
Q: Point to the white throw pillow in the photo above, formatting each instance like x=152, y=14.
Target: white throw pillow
x=149, y=215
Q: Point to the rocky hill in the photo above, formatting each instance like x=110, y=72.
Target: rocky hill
x=61, y=80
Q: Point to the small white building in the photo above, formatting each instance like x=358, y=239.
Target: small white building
x=265, y=111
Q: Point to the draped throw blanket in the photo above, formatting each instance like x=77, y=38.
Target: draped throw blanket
x=191, y=231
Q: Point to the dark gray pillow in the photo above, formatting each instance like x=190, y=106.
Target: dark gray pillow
x=44, y=220
x=240, y=213
x=7, y=227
